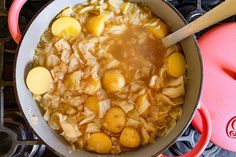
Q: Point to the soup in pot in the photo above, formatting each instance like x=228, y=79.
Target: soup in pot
x=103, y=78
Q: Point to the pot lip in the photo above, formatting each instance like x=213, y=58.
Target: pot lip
x=200, y=88
x=14, y=80
x=154, y=155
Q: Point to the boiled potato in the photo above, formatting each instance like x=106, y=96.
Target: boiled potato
x=176, y=64
x=96, y=25
x=130, y=137
x=92, y=104
x=99, y=142
x=92, y=85
x=113, y=81
x=115, y=119
x=160, y=30
x=66, y=27
x=38, y=80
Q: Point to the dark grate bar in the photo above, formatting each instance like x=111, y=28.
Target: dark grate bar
x=1, y=107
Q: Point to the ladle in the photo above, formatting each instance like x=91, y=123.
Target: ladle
x=217, y=14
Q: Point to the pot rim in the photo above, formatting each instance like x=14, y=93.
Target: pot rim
x=154, y=155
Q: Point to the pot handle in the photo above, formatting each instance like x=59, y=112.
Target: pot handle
x=13, y=17
x=205, y=136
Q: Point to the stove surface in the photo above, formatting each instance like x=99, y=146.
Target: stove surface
x=16, y=138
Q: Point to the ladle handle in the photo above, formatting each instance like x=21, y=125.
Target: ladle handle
x=217, y=14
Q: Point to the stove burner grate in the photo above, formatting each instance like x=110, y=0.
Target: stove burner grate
x=16, y=139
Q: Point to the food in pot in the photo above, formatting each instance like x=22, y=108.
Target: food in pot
x=38, y=80
x=130, y=137
x=113, y=81
x=104, y=79
x=99, y=142
x=96, y=24
x=66, y=27
x=176, y=64
x=115, y=120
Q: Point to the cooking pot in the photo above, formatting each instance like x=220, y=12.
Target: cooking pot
x=26, y=49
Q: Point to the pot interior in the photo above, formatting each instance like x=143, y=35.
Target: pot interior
x=55, y=141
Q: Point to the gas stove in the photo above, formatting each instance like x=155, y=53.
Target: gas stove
x=16, y=137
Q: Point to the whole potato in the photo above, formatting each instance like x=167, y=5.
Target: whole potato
x=130, y=137
x=99, y=142
x=176, y=64
x=115, y=119
x=113, y=81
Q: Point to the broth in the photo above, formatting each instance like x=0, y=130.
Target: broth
x=137, y=48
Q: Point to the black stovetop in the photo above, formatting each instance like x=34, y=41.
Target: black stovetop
x=29, y=144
